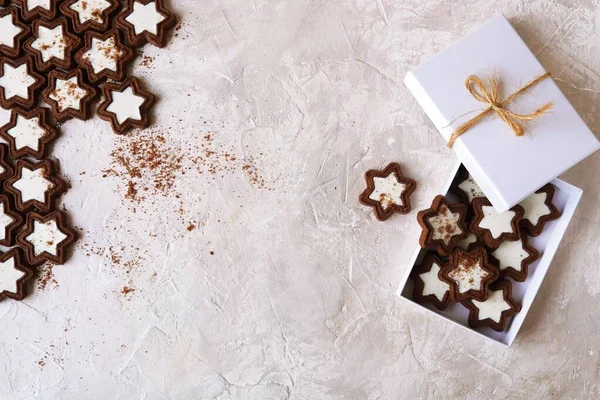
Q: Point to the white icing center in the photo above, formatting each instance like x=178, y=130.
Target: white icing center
x=31, y=4
x=145, y=17
x=8, y=31
x=432, y=284
x=27, y=133
x=5, y=220
x=445, y=225
x=464, y=244
x=103, y=54
x=496, y=223
x=535, y=207
x=388, y=191
x=33, y=185
x=51, y=43
x=68, y=94
x=16, y=81
x=46, y=237
x=9, y=275
x=471, y=188
x=90, y=10
x=493, y=307
x=126, y=105
x=510, y=254
x=468, y=275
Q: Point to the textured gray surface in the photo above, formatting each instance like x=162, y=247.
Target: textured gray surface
x=297, y=300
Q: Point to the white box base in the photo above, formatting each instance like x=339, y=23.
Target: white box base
x=566, y=199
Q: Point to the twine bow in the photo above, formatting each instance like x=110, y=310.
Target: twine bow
x=490, y=96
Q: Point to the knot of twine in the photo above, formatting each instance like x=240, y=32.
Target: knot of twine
x=490, y=96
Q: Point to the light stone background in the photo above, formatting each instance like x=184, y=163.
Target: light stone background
x=298, y=300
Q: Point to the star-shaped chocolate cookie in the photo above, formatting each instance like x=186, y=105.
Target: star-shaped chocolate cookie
x=388, y=191
x=495, y=311
x=13, y=275
x=52, y=45
x=69, y=96
x=13, y=33
x=46, y=238
x=443, y=225
x=35, y=185
x=35, y=9
x=104, y=56
x=495, y=227
x=465, y=187
x=429, y=288
x=513, y=258
x=28, y=133
x=469, y=274
x=19, y=84
x=125, y=105
x=539, y=209
x=89, y=14
x=146, y=21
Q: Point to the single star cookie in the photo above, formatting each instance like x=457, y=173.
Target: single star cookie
x=388, y=191
x=513, y=258
x=13, y=275
x=46, y=238
x=34, y=9
x=19, y=84
x=125, y=105
x=443, y=225
x=495, y=227
x=465, y=187
x=89, y=14
x=10, y=220
x=539, y=209
x=28, y=133
x=52, y=45
x=104, y=56
x=429, y=288
x=469, y=274
x=146, y=21
x=69, y=96
x=35, y=186
x=12, y=33
x=495, y=311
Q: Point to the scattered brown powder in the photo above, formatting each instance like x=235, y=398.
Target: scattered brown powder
x=191, y=227
x=126, y=290
x=47, y=278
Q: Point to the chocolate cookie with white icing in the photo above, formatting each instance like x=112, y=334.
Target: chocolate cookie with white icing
x=469, y=274
x=443, y=225
x=539, y=210
x=428, y=287
x=495, y=311
x=495, y=227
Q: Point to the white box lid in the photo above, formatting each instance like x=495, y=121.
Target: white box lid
x=506, y=167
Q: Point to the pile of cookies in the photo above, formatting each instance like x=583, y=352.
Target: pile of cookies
x=475, y=255
x=64, y=54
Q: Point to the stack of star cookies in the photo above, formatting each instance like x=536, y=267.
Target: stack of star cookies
x=475, y=255
x=66, y=55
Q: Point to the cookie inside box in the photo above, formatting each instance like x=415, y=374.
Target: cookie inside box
x=566, y=197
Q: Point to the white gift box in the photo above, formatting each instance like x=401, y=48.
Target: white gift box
x=507, y=168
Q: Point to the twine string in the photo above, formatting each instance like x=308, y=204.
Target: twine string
x=490, y=95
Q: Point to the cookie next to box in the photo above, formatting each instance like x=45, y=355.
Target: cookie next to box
x=388, y=191
x=46, y=238
x=495, y=227
x=469, y=274
x=429, y=288
x=443, y=225
x=539, y=209
x=495, y=310
x=513, y=258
